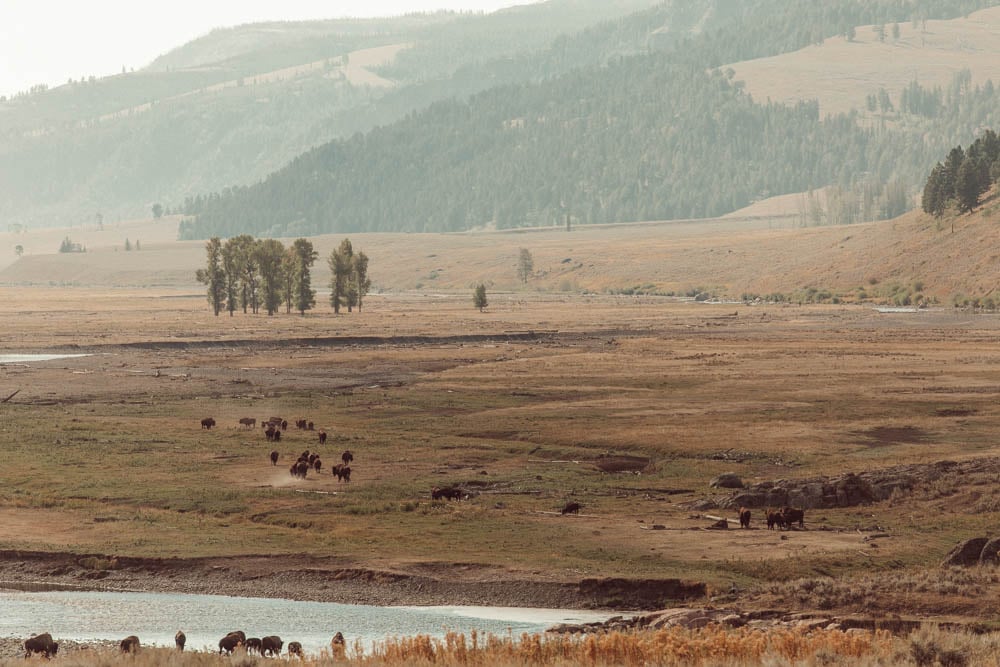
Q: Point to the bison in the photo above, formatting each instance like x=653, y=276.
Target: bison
x=249, y=422
x=269, y=432
x=40, y=644
x=318, y=464
x=775, y=518
x=284, y=425
x=571, y=508
x=129, y=645
x=271, y=645
x=231, y=641
x=744, y=517
x=347, y=457
x=793, y=515
x=274, y=457
x=447, y=493
x=295, y=648
x=310, y=426
x=254, y=645
x=207, y=423
x=179, y=640
x=342, y=472
x=322, y=437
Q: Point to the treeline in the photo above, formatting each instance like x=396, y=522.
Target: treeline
x=964, y=176
x=254, y=274
x=647, y=137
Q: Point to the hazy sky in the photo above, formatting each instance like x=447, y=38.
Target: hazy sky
x=50, y=41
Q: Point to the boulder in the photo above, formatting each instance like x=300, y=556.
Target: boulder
x=966, y=553
x=990, y=555
x=729, y=480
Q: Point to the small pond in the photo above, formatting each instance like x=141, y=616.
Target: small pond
x=155, y=617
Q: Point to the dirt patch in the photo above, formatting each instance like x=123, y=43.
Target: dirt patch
x=621, y=463
x=892, y=435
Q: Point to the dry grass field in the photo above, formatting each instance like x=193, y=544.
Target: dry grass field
x=840, y=74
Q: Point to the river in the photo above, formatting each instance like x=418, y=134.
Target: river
x=156, y=617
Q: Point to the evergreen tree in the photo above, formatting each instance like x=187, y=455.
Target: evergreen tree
x=968, y=185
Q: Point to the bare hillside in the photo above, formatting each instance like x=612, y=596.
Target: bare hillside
x=841, y=73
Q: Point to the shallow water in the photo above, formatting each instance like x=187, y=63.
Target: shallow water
x=155, y=617
x=27, y=358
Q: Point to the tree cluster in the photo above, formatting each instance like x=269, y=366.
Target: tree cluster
x=349, y=281
x=254, y=274
x=964, y=176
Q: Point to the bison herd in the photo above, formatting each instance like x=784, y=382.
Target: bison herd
x=311, y=461
x=780, y=519
x=263, y=646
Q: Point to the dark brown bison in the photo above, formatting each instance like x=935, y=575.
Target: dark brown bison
x=447, y=493
x=310, y=426
x=231, y=641
x=271, y=645
x=179, y=640
x=571, y=508
x=300, y=423
x=274, y=457
x=129, y=645
x=207, y=423
x=277, y=436
x=295, y=648
x=249, y=422
x=342, y=472
x=347, y=457
x=254, y=645
x=301, y=469
x=794, y=515
x=775, y=519
x=40, y=644
x=322, y=437
x=269, y=432
x=744, y=517
x=318, y=464
x=284, y=425
x=312, y=458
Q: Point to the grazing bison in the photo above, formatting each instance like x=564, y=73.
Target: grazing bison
x=794, y=515
x=295, y=648
x=249, y=422
x=129, y=645
x=447, y=493
x=347, y=457
x=271, y=645
x=230, y=642
x=207, y=423
x=322, y=437
x=179, y=640
x=775, y=518
x=254, y=645
x=571, y=508
x=40, y=644
x=744, y=517
x=274, y=457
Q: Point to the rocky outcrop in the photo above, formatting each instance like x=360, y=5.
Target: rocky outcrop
x=966, y=553
x=729, y=480
x=851, y=489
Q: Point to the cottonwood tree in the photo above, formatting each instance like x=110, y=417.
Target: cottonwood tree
x=303, y=256
x=340, y=261
x=525, y=265
x=479, y=297
x=359, y=277
x=232, y=266
x=270, y=255
x=213, y=275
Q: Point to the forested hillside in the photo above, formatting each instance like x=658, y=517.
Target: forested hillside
x=664, y=133
x=239, y=103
